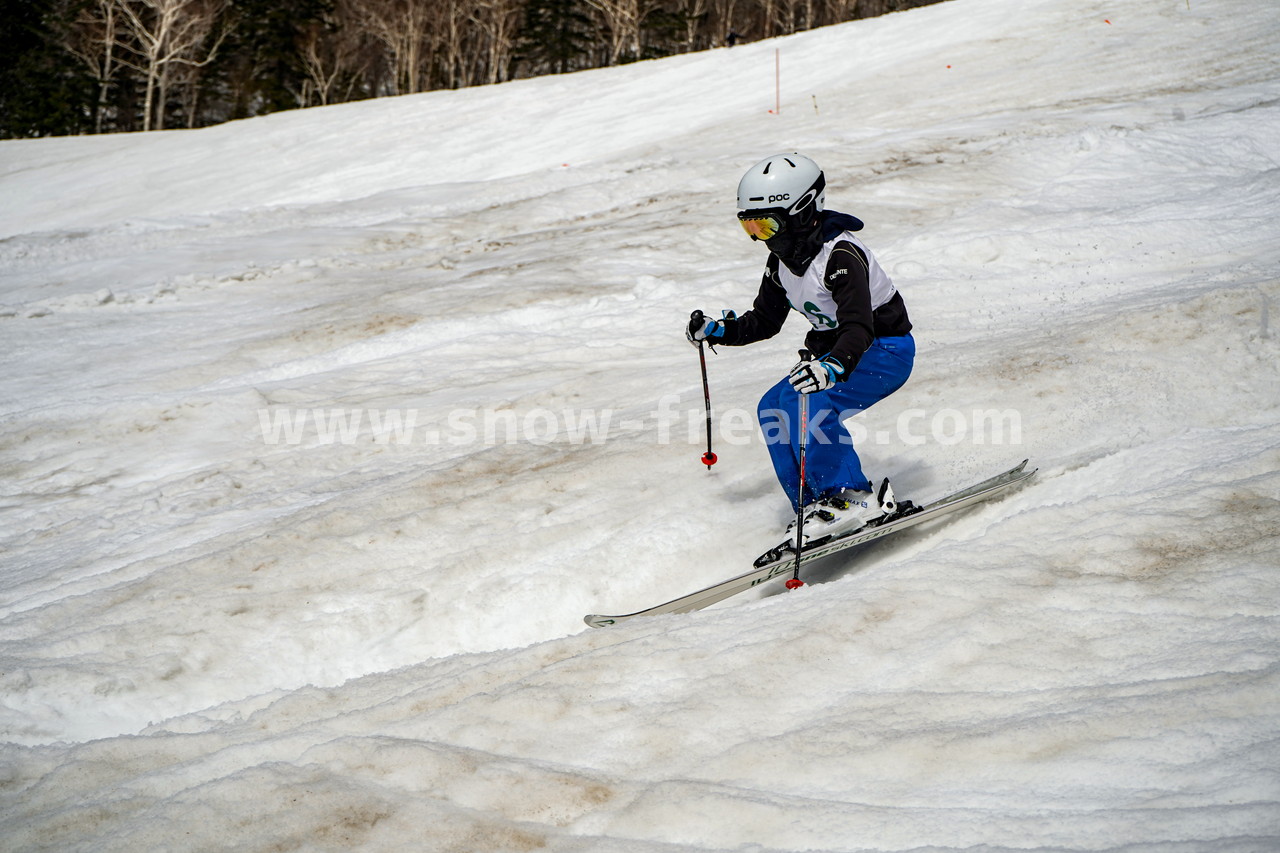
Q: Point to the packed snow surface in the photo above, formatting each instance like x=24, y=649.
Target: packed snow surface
x=322, y=431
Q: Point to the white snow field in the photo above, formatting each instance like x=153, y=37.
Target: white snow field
x=244, y=608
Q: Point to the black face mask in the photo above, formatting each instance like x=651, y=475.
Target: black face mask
x=782, y=244
x=796, y=246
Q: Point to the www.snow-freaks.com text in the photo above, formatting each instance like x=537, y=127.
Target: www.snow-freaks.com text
x=669, y=422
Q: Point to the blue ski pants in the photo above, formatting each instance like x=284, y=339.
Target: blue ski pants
x=831, y=462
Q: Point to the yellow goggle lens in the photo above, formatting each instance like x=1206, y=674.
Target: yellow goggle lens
x=760, y=227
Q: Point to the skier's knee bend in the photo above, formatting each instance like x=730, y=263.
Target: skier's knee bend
x=775, y=424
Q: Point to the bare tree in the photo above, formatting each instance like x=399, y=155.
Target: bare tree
x=835, y=11
x=623, y=19
x=770, y=21
x=92, y=36
x=332, y=52
x=694, y=12
x=164, y=34
x=803, y=17
x=403, y=27
x=451, y=43
x=723, y=18
x=499, y=23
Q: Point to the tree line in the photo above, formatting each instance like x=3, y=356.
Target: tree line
x=102, y=66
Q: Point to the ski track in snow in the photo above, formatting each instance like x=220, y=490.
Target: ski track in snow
x=212, y=641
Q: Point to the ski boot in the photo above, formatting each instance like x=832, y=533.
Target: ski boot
x=838, y=514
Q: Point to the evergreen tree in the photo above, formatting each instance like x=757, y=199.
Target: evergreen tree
x=260, y=68
x=664, y=32
x=557, y=37
x=43, y=91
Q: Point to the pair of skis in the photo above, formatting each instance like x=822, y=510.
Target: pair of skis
x=785, y=563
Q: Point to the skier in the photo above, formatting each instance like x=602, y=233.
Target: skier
x=861, y=338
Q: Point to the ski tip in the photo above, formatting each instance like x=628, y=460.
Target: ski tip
x=599, y=621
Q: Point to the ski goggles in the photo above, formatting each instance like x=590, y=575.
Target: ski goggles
x=761, y=224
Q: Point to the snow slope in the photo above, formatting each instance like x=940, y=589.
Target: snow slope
x=238, y=610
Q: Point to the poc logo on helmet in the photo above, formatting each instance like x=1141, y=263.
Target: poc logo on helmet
x=779, y=197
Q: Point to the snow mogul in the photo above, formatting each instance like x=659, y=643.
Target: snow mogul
x=860, y=341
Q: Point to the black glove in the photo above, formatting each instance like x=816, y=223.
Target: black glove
x=703, y=328
x=808, y=377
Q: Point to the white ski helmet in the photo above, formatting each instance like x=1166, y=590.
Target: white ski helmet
x=792, y=182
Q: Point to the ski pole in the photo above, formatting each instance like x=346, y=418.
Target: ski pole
x=708, y=458
x=795, y=582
